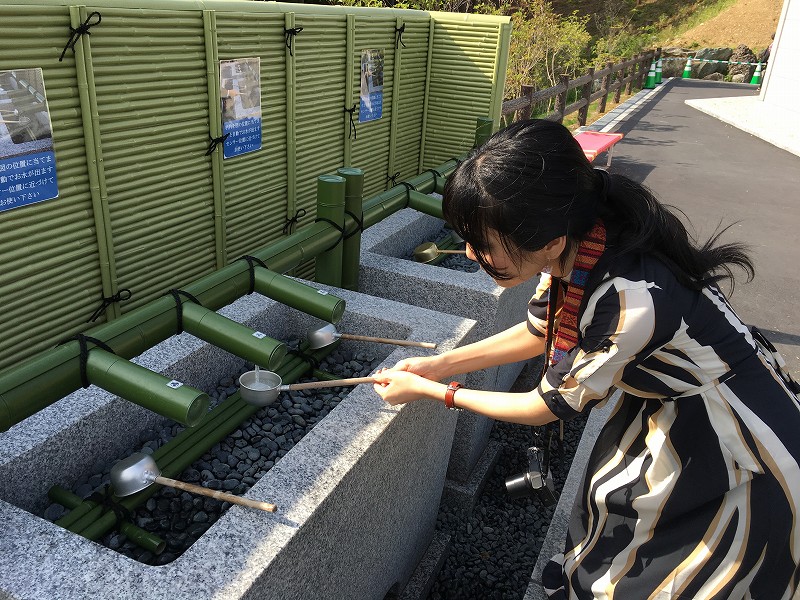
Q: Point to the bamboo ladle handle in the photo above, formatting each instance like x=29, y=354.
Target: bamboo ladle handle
x=366, y=338
x=451, y=251
x=197, y=489
x=312, y=385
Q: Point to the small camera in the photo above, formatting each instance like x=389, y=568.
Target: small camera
x=533, y=483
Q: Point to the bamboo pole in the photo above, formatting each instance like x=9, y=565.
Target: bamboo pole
x=353, y=204
x=215, y=126
x=349, y=82
x=94, y=159
x=330, y=206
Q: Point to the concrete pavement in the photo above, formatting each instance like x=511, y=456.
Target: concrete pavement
x=719, y=175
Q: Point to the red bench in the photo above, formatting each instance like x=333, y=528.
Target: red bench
x=595, y=143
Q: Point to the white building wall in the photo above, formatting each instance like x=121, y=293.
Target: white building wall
x=781, y=86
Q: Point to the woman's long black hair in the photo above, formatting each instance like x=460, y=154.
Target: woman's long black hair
x=531, y=183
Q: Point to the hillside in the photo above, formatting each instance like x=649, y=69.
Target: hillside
x=749, y=22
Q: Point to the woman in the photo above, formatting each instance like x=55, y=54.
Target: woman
x=693, y=487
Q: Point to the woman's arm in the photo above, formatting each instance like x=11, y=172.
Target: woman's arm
x=399, y=387
x=512, y=345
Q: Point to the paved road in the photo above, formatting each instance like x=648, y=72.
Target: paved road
x=718, y=174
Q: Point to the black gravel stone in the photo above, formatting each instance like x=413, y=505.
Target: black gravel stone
x=235, y=464
x=495, y=548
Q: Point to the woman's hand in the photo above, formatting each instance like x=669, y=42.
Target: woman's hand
x=429, y=367
x=402, y=386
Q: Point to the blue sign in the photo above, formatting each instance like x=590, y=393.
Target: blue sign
x=27, y=158
x=240, y=97
x=244, y=135
x=27, y=179
x=371, y=96
x=371, y=107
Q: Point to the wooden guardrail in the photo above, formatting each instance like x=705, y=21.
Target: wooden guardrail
x=629, y=73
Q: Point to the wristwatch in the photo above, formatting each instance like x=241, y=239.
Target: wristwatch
x=452, y=388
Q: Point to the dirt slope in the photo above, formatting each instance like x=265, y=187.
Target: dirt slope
x=749, y=22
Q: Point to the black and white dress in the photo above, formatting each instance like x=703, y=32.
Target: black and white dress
x=693, y=488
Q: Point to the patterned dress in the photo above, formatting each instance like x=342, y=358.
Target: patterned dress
x=692, y=490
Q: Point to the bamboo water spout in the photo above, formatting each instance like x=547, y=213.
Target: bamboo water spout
x=151, y=390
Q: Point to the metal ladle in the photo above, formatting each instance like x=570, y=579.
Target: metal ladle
x=425, y=253
x=325, y=336
x=139, y=471
x=263, y=387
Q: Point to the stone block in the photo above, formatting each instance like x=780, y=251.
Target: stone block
x=357, y=496
x=473, y=295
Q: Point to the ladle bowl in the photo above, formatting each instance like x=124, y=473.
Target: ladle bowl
x=262, y=388
x=428, y=251
x=325, y=336
x=140, y=471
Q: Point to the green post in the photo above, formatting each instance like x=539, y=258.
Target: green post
x=234, y=337
x=330, y=207
x=310, y=300
x=483, y=130
x=155, y=392
x=353, y=204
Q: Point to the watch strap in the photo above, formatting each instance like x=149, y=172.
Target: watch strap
x=452, y=388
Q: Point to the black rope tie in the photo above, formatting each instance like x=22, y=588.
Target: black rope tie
x=252, y=261
x=290, y=223
x=305, y=357
x=83, y=344
x=105, y=498
x=215, y=141
x=176, y=294
x=290, y=34
x=75, y=34
x=352, y=129
x=120, y=296
x=393, y=178
x=398, y=31
x=436, y=176
x=336, y=226
x=408, y=187
x=359, y=224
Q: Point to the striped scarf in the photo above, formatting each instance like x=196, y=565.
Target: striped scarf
x=589, y=252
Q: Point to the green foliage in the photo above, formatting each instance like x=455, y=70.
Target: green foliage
x=616, y=36
x=544, y=45
x=620, y=46
x=547, y=42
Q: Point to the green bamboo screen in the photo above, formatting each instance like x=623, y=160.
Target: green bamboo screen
x=142, y=207
x=50, y=263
